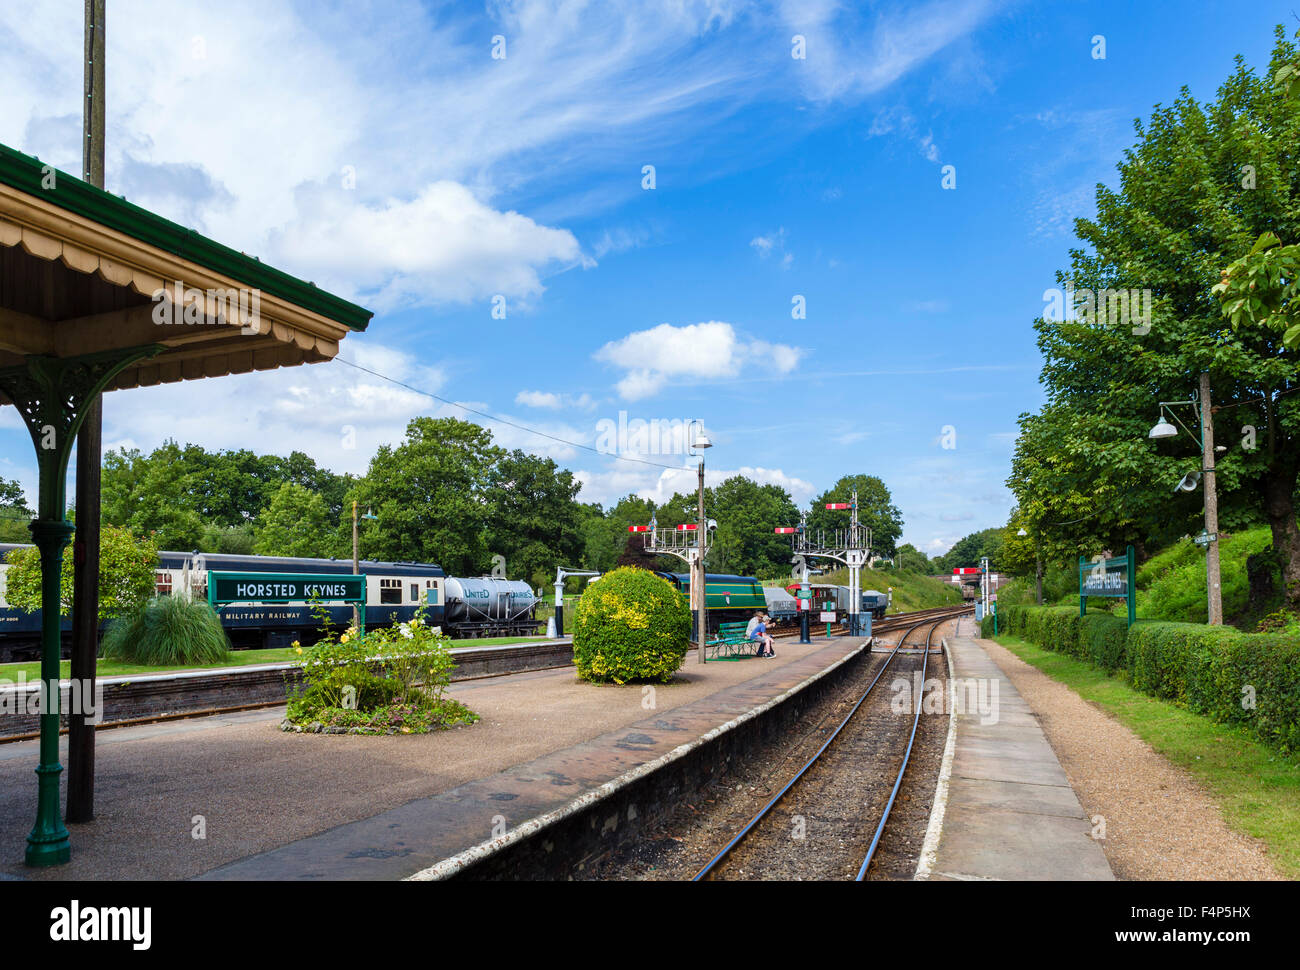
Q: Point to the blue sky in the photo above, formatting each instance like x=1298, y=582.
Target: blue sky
x=383, y=152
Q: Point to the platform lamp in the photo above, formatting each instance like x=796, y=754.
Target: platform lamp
x=356, y=560
x=1210, y=538
x=699, y=444
x=1038, y=568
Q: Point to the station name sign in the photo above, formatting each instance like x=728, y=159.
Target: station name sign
x=1109, y=578
x=1116, y=578
x=284, y=588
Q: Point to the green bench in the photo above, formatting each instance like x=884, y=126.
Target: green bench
x=730, y=643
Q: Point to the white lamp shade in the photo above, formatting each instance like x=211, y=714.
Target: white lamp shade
x=1163, y=429
x=702, y=441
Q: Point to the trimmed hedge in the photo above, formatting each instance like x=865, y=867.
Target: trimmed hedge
x=631, y=625
x=1248, y=679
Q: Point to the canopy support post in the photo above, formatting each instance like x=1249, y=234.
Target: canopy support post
x=51, y=394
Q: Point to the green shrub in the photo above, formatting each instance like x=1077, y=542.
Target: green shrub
x=631, y=625
x=169, y=631
x=1251, y=680
x=391, y=681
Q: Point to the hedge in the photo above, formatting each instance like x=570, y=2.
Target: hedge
x=1248, y=679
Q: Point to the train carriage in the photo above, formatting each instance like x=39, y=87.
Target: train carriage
x=395, y=591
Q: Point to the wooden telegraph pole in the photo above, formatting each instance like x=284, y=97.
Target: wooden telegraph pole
x=85, y=584
x=1215, y=591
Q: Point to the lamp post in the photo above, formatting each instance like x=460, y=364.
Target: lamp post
x=700, y=443
x=1163, y=429
x=1038, y=568
x=356, y=560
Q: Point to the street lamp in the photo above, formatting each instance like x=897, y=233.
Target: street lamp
x=1038, y=568
x=700, y=443
x=1163, y=429
x=356, y=561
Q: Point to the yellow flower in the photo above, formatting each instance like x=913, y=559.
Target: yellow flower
x=297, y=649
x=343, y=639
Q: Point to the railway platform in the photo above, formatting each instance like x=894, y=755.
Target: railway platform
x=233, y=797
x=1004, y=809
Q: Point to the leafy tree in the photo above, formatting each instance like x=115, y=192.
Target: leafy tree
x=296, y=524
x=908, y=557
x=969, y=550
x=748, y=514
x=876, y=510
x=1185, y=207
x=605, y=536
x=151, y=495
x=126, y=575
x=534, y=521
x=14, y=513
x=430, y=496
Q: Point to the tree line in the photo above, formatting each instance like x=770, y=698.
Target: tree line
x=445, y=494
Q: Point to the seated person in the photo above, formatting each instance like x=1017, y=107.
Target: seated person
x=760, y=634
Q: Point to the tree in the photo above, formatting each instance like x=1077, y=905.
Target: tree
x=969, y=550
x=748, y=514
x=1200, y=186
x=533, y=519
x=430, y=496
x=908, y=557
x=876, y=510
x=605, y=536
x=14, y=513
x=295, y=524
x=152, y=495
x=126, y=575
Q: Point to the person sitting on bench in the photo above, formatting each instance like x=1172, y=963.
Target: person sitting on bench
x=758, y=631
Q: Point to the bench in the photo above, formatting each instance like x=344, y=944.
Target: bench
x=730, y=643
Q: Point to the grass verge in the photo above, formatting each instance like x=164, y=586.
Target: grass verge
x=1257, y=787
x=238, y=658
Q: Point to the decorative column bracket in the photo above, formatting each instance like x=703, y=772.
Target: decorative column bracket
x=51, y=394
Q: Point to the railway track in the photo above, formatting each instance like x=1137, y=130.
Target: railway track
x=890, y=624
x=927, y=621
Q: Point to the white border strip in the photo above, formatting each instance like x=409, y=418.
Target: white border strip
x=930, y=847
x=475, y=854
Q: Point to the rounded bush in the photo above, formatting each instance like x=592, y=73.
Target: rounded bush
x=631, y=625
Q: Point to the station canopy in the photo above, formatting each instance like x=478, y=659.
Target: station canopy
x=80, y=269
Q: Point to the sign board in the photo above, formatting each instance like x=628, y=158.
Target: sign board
x=1205, y=540
x=1111, y=578
x=966, y=571
x=283, y=588
x=828, y=617
x=226, y=588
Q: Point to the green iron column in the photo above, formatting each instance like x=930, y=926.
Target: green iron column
x=51, y=393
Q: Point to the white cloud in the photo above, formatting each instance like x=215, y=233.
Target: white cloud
x=621, y=478
x=854, y=50
x=442, y=245
x=773, y=242
x=651, y=358
x=554, y=402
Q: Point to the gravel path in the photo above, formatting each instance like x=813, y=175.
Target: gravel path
x=1160, y=824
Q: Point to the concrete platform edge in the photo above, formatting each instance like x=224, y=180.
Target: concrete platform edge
x=589, y=800
x=930, y=846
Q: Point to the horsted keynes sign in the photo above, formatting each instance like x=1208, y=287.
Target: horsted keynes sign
x=1115, y=578
x=226, y=588
x=284, y=588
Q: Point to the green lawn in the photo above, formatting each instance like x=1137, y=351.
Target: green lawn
x=238, y=658
x=1257, y=788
